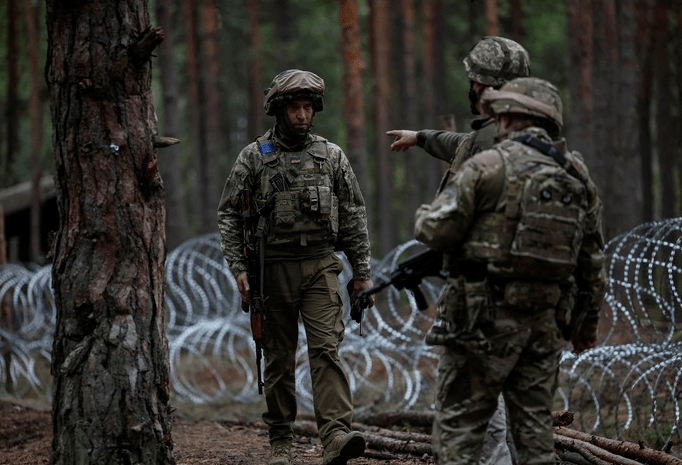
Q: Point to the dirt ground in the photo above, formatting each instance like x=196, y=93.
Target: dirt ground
x=26, y=435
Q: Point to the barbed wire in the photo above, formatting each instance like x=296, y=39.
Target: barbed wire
x=630, y=383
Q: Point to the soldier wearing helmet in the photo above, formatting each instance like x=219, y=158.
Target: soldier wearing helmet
x=306, y=203
x=518, y=225
x=490, y=63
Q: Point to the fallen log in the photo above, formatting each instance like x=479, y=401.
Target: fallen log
x=623, y=448
x=593, y=454
x=379, y=442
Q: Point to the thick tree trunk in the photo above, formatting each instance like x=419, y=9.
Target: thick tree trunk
x=170, y=162
x=110, y=353
x=380, y=52
x=353, y=106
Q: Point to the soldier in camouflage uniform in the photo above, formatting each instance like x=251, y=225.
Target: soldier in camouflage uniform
x=316, y=208
x=490, y=63
x=518, y=224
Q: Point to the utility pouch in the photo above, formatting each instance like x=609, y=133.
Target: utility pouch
x=285, y=208
x=478, y=302
x=532, y=295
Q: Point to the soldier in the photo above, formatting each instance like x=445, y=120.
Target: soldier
x=490, y=63
x=311, y=204
x=518, y=224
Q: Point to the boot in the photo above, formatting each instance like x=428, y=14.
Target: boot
x=343, y=448
x=281, y=454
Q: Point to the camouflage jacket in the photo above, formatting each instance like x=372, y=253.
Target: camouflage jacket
x=478, y=187
x=252, y=170
x=457, y=147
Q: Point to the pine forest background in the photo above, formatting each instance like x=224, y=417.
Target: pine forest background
x=387, y=65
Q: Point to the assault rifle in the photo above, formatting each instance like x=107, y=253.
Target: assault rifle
x=252, y=251
x=408, y=274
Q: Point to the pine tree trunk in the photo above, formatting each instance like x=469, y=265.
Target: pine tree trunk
x=380, y=52
x=170, y=163
x=354, y=106
x=255, y=87
x=12, y=103
x=110, y=352
x=36, y=129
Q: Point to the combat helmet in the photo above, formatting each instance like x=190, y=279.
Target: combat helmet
x=293, y=84
x=529, y=96
x=496, y=60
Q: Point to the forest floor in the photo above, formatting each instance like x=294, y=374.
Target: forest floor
x=199, y=439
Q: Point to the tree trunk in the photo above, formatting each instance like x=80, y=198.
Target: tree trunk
x=170, y=162
x=492, y=25
x=196, y=142
x=353, y=106
x=11, y=111
x=664, y=133
x=255, y=77
x=516, y=13
x=36, y=129
x=379, y=39
x=629, y=163
x=414, y=177
x=209, y=182
x=283, y=26
x=110, y=353
x=645, y=40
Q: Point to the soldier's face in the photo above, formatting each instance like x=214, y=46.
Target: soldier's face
x=300, y=113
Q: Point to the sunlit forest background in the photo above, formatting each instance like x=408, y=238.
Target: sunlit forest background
x=387, y=65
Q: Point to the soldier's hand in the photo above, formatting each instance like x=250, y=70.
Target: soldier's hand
x=359, y=286
x=404, y=139
x=243, y=286
x=582, y=342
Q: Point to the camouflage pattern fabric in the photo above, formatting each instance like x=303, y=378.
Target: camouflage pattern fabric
x=250, y=172
x=496, y=60
x=495, y=347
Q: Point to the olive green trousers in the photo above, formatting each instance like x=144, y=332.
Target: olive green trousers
x=309, y=290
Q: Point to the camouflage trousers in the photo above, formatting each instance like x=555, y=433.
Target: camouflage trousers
x=520, y=359
x=309, y=290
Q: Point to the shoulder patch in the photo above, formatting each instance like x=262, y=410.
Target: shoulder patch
x=266, y=148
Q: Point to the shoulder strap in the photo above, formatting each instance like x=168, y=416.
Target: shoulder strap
x=551, y=151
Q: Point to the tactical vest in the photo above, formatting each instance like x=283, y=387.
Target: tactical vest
x=536, y=231
x=298, y=187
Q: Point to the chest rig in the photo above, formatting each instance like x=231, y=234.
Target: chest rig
x=298, y=186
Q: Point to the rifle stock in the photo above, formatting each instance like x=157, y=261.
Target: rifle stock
x=255, y=306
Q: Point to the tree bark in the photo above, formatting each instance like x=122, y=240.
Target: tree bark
x=645, y=40
x=492, y=24
x=209, y=183
x=36, y=130
x=110, y=353
x=170, y=162
x=353, y=102
x=380, y=51
x=12, y=103
x=255, y=76
x=664, y=133
x=414, y=178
